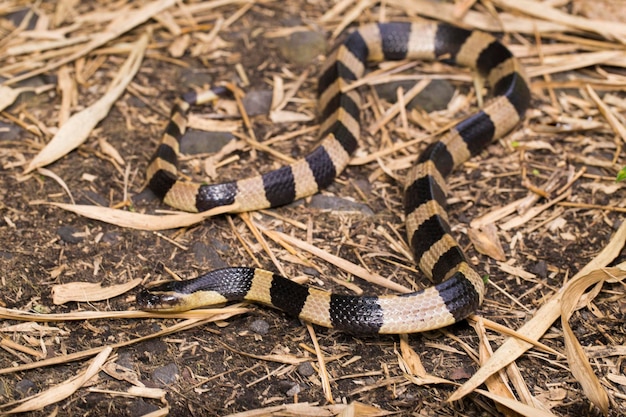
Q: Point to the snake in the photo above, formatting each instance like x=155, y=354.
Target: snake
x=458, y=289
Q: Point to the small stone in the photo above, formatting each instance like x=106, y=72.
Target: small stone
x=286, y=386
x=192, y=78
x=302, y=47
x=125, y=359
x=110, y=238
x=68, y=234
x=90, y=197
x=17, y=18
x=219, y=245
x=25, y=387
x=306, y=369
x=312, y=272
x=260, y=326
x=151, y=348
x=206, y=254
x=258, y=102
x=165, y=375
x=9, y=131
x=294, y=390
x=196, y=142
x=435, y=96
x=146, y=196
x=140, y=407
x=540, y=269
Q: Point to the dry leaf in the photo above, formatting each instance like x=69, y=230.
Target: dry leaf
x=576, y=357
x=313, y=410
x=541, y=10
x=521, y=408
x=76, y=130
x=410, y=358
x=110, y=151
x=411, y=364
x=8, y=96
x=487, y=242
x=88, y=291
x=64, y=390
x=496, y=383
x=141, y=221
x=121, y=373
x=47, y=173
x=161, y=412
x=545, y=316
x=117, y=27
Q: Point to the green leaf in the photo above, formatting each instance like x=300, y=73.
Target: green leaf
x=621, y=176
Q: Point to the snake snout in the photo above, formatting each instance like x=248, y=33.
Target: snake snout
x=148, y=300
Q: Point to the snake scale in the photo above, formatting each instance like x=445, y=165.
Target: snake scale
x=459, y=288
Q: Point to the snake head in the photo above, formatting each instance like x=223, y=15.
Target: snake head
x=150, y=300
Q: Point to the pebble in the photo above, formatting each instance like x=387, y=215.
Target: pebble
x=166, y=374
x=294, y=390
x=25, y=387
x=146, y=196
x=110, y=237
x=435, y=96
x=139, y=408
x=151, y=348
x=206, y=254
x=220, y=245
x=260, y=326
x=306, y=369
x=125, y=359
x=288, y=386
x=68, y=234
x=302, y=47
x=17, y=17
x=9, y=131
x=258, y=102
x=540, y=269
x=90, y=197
x=364, y=185
x=312, y=272
x=196, y=142
x=193, y=77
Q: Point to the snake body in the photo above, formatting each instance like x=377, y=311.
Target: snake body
x=459, y=289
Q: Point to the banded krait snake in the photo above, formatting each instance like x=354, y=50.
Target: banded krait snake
x=460, y=289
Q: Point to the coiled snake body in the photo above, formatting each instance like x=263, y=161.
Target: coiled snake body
x=459, y=289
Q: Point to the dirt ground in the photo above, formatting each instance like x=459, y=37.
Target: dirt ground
x=263, y=358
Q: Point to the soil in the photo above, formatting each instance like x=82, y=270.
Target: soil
x=218, y=369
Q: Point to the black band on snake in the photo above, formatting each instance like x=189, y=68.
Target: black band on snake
x=459, y=289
